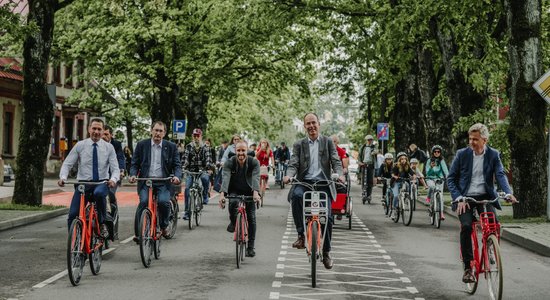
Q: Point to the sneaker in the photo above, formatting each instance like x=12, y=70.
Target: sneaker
x=327, y=260
x=104, y=231
x=392, y=214
x=250, y=252
x=338, y=217
x=299, y=243
x=468, y=276
x=185, y=216
x=442, y=216
x=231, y=227
x=428, y=200
x=164, y=232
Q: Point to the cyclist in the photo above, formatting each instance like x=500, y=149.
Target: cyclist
x=241, y=176
x=436, y=168
x=367, y=159
x=282, y=155
x=471, y=175
x=197, y=157
x=385, y=171
x=108, y=137
x=313, y=158
x=401, y=169
x=264, y=155
x=96, y=159
x=155, y=158
x=208, y=143
x=414, y=166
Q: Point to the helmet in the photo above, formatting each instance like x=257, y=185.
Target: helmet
x=388, y=156
x=197, y=131
x=437, y=147
x=414, y=160
x=369, y=137
x=401, y=154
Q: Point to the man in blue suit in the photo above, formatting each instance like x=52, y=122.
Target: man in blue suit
x=155, y=158
x=472, y=174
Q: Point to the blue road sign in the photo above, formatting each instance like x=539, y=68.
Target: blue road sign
x=383, y=131
x=178, y=126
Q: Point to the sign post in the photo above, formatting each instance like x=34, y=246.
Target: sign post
x=178, y=128
x=542, y=86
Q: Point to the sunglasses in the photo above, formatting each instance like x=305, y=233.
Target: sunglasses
x=196, y=135
x=437, y=151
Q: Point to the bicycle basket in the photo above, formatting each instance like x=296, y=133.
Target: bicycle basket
x=315, y=203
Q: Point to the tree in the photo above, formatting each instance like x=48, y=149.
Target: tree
x=527, y=109
x=36, y=126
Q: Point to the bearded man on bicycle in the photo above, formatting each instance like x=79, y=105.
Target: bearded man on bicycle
x=197, y=157
x=314, y=158
x=241, y=177
x=471, y=175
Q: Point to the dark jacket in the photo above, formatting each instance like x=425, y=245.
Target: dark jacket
x=119, y=154
x=141, y=161
x=460, y=174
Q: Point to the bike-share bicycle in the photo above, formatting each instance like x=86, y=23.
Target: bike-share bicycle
x=149, y=226
x=195, y=202
x=404, y=209
x=84, y=236
x=316, y=217
x=281, y=173
x=487, y=260
x=240, y=236
x=174, y=211
x=387, y=202
x=436, y=208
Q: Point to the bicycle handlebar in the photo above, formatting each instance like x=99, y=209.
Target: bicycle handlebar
x=194, y=173
x=503, y=196
x=85, y=182
x=155, y=179
x=318, y=183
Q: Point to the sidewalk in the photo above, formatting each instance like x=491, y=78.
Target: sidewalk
x=531, y=236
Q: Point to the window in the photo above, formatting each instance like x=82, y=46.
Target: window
x=55, y=134
x=69, y=74
x=57, y=74
x=8, y=133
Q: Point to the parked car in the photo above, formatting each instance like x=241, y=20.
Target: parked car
x=9, y=175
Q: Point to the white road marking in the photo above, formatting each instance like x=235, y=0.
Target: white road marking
x=274, y=295
x=51, y=279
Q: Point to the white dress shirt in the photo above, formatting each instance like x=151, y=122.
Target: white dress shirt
x=314, y=172
x=477, y=183
x=82, y=155
x=155, y=171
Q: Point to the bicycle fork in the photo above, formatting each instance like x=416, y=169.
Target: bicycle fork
x=310, y=236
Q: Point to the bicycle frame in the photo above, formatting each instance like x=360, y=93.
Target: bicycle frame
x=87, y=223
x=315, y=207
x=488, y=225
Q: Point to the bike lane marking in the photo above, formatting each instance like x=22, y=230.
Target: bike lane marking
x=362, y=268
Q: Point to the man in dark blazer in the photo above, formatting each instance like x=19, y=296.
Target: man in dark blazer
x=472, y=174
x=155, y=158
x=313, y=158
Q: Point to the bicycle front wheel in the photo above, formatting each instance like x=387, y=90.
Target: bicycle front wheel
x=96, y=251
x=493, y=268
x=438, y=207
x=146, y=238
x=414, y=196
x=407, y=211
x=173, y=222
x=314, y=253
x=191, y=210
x=75, y=255
x=238, y=239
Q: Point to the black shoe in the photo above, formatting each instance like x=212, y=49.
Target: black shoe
x=136, y=239
x=468, y=276
x=231, y=227
x=250, y=252
x=327, y=260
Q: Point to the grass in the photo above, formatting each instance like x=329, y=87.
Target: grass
x=11, y=206
x=510, y=219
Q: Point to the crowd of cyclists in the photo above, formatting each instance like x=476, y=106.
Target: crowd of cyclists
x=238, y=168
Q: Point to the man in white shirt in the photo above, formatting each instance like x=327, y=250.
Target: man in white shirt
x=95, y=158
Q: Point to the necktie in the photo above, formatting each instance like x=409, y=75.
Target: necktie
x=95, y=164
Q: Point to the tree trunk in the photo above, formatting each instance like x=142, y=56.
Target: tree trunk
x=129, y=134
x=527, y=108
x=164, y=102
x=38, y=113
x=436, y=121
x=196, y=112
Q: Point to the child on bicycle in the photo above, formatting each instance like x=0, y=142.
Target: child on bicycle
x=418, y=172
x=402, y=169
x=385, y=172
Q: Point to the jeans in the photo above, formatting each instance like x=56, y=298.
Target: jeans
x=298, y=213
x=250, y=216
x=396, y=187
x=162, y=191
x=277, y=174
x=98, y=194
x=431, y=187
x=466, y=220
x=205, y=180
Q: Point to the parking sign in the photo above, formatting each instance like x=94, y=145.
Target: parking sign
x=178, y=126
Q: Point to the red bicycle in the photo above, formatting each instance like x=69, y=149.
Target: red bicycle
x=240, y=236
x=84, y=237
x=149, y=228
x=487, y=259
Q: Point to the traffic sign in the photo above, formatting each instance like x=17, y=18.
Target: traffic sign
x=178, y=126
x=383, y=131
x=542, y=86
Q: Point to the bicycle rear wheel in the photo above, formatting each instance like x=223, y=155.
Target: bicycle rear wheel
x=95, y=251
x=146, y=238
x=75, y=257
x=314, y=253
x=156, y=243
x=438, y=206
x=414, y=196
x=238, y=239
x=494, y=268
x=407, y=210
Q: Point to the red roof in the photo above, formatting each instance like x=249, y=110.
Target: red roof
x=21, y=6
x=10, y=69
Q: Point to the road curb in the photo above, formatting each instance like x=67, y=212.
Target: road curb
x=39, y=216
x=509, y=236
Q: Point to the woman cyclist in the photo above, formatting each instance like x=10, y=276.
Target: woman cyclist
x=385, y=172
x=436, y=168
x=264, y=155
x=402, y=169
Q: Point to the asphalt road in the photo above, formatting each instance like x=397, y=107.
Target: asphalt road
x=375, y=259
